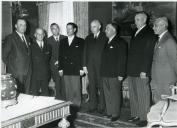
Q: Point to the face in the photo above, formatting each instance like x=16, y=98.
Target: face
x=95, y=27
x=110, y=31
x=55, y=30
x=39, y=35
x=140, y=21
x=21, y=26
x=158, y=28
x=70, y=30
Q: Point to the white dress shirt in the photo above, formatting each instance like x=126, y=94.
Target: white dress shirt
x=70, y=39
x=139, y=30
x=22, y=36
x=161, y=35
x=57, y=38
x=96, y=35
x=110, y=39
x=40, y=43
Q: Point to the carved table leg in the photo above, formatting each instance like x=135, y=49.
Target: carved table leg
x=63, y=123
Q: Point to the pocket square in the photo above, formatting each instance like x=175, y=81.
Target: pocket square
x=111, y=47
x=159, y=47
x=76, y=46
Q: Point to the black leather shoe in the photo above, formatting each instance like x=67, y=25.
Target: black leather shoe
x=142, y=123
x=133, y=119
x=114, y=118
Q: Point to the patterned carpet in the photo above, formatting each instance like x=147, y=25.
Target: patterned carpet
x=85, y=120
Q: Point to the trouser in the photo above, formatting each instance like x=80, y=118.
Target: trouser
x=39, y=87
x=73, y=89
x=112, y=93
x=96, y=94
x=23, y=83
x=139, y=90
x=58, y=85
x=158, y=90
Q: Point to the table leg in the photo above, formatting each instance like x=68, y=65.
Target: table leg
x=63, y=123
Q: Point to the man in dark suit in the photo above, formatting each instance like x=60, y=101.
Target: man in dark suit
x=54, y=41
x=94, y=44
x=139, y=68
x=16, y=55
x=113, y=67
x=70, y=64
x=164, y=66
x=41, y=55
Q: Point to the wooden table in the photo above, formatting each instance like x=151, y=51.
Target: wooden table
x=32, y=112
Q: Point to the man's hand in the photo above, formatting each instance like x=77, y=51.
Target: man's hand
x=56, y=63
x=61, y=72
x=85, y=70
x=82, y=72
x=120, y=78
x=142, y=75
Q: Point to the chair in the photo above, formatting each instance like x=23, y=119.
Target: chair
x=164, y=112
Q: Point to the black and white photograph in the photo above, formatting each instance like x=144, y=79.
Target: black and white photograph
x=88, y=64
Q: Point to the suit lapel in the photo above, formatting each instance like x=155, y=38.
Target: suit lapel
x=21, y=43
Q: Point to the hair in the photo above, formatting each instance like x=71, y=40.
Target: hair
x=20, y=19
x=144, y=14
x=74, y=26
x=99, y=22
x=54, y=24
x=162, y=20
x=40, y=29
x=115, y=26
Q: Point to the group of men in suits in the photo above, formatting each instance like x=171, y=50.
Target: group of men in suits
x=149, y=64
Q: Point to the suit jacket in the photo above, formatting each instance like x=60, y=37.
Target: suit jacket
x=114, y=57
x=41, y=61
x=93, y=49
x=16, y=55
x=141, y=52
x=71, y=57
x=55, y=50
x=164, y=66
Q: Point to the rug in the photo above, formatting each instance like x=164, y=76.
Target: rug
x=85, y=120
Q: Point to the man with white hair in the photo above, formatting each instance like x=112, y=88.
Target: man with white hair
x=94, y=44
x=41, y=73
x=138, y=69
x=164, y=66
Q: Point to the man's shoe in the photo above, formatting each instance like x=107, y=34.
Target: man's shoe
x=107, y=116
x=133, y=119
x=114, y=118
x=142, y=123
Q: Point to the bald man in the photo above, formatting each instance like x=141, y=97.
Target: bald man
x=16, y=54
x=94, y=44
x=41, y=73
x=139, y=68
x=164, y=66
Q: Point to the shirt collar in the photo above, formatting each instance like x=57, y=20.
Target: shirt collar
x=141, y=28
x=55, y=37
x=97, y=34
x=20, y=34
x=160, y=36
x=111, y=38
x=40, y=43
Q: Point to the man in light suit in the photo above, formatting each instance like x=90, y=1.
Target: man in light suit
x=138, y=69
x=54, y=41
x=16, y=54
x=164, y=66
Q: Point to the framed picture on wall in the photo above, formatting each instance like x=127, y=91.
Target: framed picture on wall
x=123, y=13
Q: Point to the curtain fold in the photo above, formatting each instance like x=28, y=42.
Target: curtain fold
x=81, y=18
x=43, y=13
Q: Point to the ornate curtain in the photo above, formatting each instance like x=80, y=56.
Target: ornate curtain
x=81, y=18
x=43, y=12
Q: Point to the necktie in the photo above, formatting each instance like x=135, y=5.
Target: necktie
x=95, y=38
x=23, y=39
x=57, y=39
